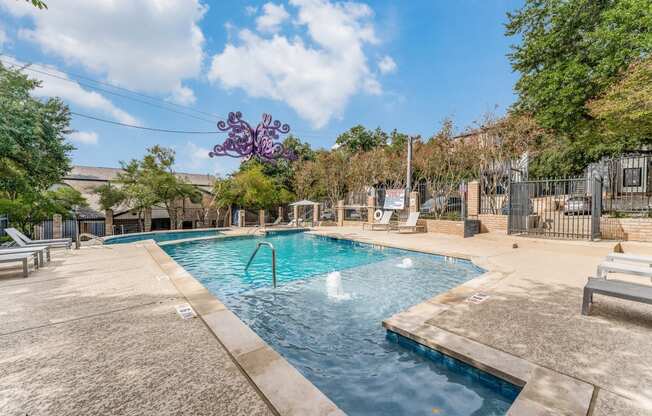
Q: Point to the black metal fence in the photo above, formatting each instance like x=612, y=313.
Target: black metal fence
x=449, y=203
x=627, y=185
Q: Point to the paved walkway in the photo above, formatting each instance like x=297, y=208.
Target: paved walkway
x=96, y=333
x=534, y=312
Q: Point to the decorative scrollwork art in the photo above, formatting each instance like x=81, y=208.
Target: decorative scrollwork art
x=246, y=142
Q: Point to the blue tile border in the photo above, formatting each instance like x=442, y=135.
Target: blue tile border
x=505, y=388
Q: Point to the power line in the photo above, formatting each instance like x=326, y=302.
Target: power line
x=133, y=126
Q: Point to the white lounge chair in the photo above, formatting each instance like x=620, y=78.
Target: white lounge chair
x=23, y=258
x=382, y=224
x=411, y=223
x=48, y=241
x=632, y=258
x=15, y=235
x=607, y=267
x=43, y=252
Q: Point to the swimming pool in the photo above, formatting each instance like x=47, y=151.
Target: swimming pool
x=160, y=236
x=325, y=319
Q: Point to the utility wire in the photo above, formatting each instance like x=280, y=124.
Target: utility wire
x=133, y=126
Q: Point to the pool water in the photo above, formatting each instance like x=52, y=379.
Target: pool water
x=325, y=319
x=161, y=236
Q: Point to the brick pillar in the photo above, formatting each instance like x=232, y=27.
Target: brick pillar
x=296, y=215
x=261, y=217
x=108, y=222
x=38, y=233
x=148, y=219
x=241, y=218
x=315, y=215
x=371, y=206
x=57, y=226
x=340, y=213
x=473, y=199
x=414, y=201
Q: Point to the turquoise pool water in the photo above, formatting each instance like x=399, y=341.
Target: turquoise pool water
x=325, y=319
x=160, y=237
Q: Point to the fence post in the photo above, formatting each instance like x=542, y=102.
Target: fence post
x=57, y=226
x=371, y=206
x=261, y=217
x=280, y=213
x=473, y=199
x=414, y=201
x=108, y=222
x=340, y=213
x=148, y=219
x=315, y=214
x=241, y=217
x=296, y=215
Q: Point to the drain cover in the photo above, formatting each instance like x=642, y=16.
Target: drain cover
x=478, y=298
x=185, y=311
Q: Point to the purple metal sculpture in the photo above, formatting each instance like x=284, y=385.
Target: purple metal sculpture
x=244, y=141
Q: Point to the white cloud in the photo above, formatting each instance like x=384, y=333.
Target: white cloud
x=84, y=137
x=251, y=10
x=272, y=18
x=149, y=45
x=194, y=159
x=183, y=95
x=57, y=84
x=316, y=77
x=386, y=65
x=3, y=37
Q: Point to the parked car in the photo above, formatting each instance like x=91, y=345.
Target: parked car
x=577, y=205
x=328, y=215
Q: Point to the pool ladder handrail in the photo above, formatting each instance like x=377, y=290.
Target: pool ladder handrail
x=268, y=244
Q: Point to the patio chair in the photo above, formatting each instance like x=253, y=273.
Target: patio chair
x=43, y=252
x=23, y=258
x=48, y=241
x=632, y=258
x=411, y=223
x=607, y=267
x=382, y=224
x=15, y=235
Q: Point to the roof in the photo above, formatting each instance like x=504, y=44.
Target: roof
x=102, y=174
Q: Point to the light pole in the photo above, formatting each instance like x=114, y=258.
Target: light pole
x=75, y=209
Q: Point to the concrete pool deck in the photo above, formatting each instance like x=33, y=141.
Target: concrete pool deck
x=96, y=331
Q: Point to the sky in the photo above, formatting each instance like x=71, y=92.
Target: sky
x=321, y=66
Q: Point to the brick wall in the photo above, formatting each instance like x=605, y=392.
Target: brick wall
x=632, y=229
x=473, y=199
x=444, y=227
x=493, y=223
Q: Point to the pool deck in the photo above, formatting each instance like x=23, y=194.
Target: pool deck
x=96, y=332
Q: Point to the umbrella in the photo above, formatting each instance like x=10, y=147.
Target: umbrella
x=303, y=203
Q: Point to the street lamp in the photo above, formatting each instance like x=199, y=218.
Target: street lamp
x=75, y=209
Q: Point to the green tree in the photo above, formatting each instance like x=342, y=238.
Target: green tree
x=110, y=196
x=253, y=189
x=572, y=51
x=38, y=3
x=359, y=139
x=138, y=193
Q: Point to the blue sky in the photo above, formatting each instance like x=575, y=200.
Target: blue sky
x=321, y=66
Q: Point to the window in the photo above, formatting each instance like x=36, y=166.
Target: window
x=632, y=177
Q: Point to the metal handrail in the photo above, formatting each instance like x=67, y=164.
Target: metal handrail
x=265, y=243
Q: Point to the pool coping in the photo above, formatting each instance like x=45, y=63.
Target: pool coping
x=544, y=391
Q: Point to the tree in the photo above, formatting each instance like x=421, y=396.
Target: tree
x=359, y=139
x=625, y=109
x=34, y=153
x=572, y=51
x=38, y=4
x=252, y=188
x=138, y=193
x=110, y=196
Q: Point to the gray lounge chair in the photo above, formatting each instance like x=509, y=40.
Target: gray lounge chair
x=411, y=223
x=15, y=235
x=23, y=258
x=615, y=288
x=43, y=252
x=382, y=224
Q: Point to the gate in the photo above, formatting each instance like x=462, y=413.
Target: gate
x=556, y=208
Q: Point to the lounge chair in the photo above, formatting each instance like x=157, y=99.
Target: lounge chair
x=607, y=267
x=15, y=235
x=632, y=258
x=48, y=241
x=23, y=258
x=615, y=288
x=382, y=224
x=411, y=223
x=43, y=252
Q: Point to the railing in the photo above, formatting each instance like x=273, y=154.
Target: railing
x=265, y=243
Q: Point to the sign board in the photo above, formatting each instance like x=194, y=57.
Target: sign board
x=394, y=199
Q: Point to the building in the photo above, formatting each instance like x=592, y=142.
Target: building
x=86, y=179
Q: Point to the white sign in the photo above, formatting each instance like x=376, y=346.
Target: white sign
x=185, y=311
x=394, y=199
